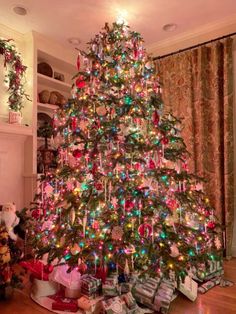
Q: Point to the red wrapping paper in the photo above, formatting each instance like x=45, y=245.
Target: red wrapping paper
x=37, y=269
x=64, y=304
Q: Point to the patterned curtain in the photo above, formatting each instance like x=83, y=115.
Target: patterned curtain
x=198, y=86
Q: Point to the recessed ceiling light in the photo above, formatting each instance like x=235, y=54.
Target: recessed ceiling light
x=20, y=10
x=169, y=27
x=74, y=41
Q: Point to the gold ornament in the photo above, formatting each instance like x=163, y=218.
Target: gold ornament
x=75, y=249
x=138, y=88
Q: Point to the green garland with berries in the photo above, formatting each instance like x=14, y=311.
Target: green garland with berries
x=14, y=77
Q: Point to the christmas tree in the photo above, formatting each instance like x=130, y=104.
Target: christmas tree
x=122, y=196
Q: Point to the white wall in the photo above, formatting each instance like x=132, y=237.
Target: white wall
x=11, y=169
x=12, y=145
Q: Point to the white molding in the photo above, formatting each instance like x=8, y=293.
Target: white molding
x=15, y=129
x=194, y=37
x=8, y=32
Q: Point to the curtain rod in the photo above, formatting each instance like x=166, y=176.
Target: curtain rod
x=195, y=46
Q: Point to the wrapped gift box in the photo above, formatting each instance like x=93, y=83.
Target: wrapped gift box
x=90, y=306
x=90, y=286
x=129, y=301
x=109, y=290
x=64, y=304
x=189, y=288
x=144, y=295
x=110, y=287
x=164, y=296
x=114, y=306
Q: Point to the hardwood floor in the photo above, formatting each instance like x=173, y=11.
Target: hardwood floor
x=216, y=301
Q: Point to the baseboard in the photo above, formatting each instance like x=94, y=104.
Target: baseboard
x=234, y=250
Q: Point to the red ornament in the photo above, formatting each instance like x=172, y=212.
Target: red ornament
x=73, y=123
x=82, y=268
x=145, y=230
x=35, y=213
x=165, y=140
x=151, y=164
x=98, y=186
x=211, y=225
x=155, y=118
x=78, y=62
x=172, y=204
x=80, y=83
x=137, y=166
x=94, y=169
x=129, y=205
x=95, y=225
x=77, y=153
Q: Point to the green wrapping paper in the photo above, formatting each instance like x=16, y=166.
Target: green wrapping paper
x=164, y=296
x=114, y=306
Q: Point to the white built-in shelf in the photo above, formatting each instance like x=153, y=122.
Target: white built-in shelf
x=15, y=129
x=47, y=106
x=53, y=83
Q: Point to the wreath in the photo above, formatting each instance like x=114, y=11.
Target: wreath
x=15, y=74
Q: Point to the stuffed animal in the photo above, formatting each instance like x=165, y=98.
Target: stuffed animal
x=5, y=255
x=9, y=217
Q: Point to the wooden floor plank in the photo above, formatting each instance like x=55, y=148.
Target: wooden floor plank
x=216, y=301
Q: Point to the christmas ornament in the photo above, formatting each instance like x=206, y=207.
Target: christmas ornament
x=130, y=249
x=114, y=201
x=138, y=88
x=151, y=164
x=211, y=225
x=174, y=250
x=217, y=243
x=155, y=118
x=101, y=111
x=117, y=233
x=75, y=249
x=80, y=83
x=77, y=153
x=145, y=230
x=72, y=216
x=48, y=190
x=82, y=267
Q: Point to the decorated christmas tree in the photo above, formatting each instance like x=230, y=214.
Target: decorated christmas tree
x=122, y=198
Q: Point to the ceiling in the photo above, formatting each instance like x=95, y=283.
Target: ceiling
x=60, y=19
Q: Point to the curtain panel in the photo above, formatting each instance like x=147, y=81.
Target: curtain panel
x=198, y=86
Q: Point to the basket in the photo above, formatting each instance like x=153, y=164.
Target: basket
x=45, y=69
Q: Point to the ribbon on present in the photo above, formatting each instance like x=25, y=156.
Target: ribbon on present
x=38, y=269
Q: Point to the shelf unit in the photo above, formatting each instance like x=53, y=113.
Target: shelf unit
x=53, y=83
x=62, y=66
x=48, y=107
